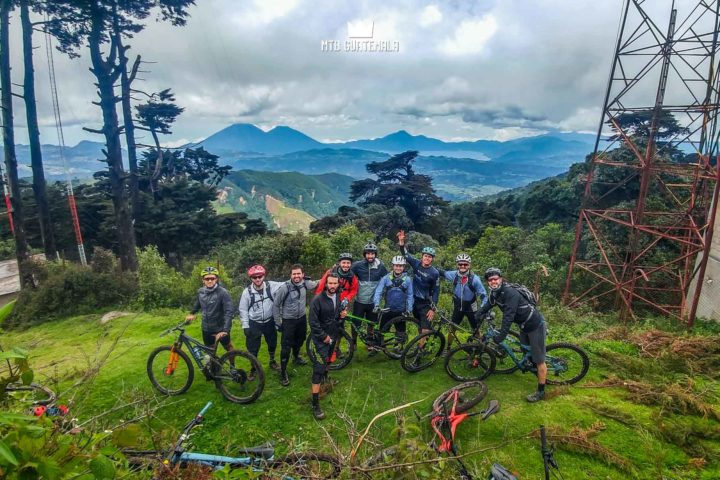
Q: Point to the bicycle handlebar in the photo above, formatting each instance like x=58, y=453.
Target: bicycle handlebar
x=205, y=409
x=176, y=327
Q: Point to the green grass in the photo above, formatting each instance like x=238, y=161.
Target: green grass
x=63, y=350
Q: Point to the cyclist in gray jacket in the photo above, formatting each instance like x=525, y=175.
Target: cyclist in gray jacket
x=289, y=313
x=369, y=272
x=256, y=314
x=217, y=310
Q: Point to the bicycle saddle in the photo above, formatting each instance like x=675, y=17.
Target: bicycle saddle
x=498, y=472
x=266, y=451
x=491, y=409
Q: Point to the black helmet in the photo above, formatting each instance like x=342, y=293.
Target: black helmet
x=370, y=247
x=492, y=271
x=345, y=256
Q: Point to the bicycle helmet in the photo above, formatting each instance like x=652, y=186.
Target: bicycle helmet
x=370, y=247
x=210, y=271
x=256, y=270
x=429, y=251
x=345, y=256
x=462, y=257
x=492, y=271
x=398, y=260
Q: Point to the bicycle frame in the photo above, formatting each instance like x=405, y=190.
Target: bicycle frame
x=190, y=343
x=364, y=336
x=451, y=327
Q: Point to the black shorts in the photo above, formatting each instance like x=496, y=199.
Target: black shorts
x=209, y=339
x=421, y=307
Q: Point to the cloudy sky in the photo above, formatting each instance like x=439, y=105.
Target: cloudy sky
x=493, y=69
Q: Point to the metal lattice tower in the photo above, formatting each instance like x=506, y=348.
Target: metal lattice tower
x=646, y=222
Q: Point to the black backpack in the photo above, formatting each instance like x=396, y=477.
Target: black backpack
x=268, y=294
x=526, y=293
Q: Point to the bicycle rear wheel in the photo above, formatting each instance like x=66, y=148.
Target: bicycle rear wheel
x=393, y=342
x=422, y=351
x=239, y=376
x=170, y=370
x=342, y=357
x=469, y=395
x=305, y=465
x=33, y=394
x=566, y=363
x=470, y=361
x=142, y=459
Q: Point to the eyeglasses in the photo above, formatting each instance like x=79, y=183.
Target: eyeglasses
x=493, y=279
x=255, y=277
x=209, y=279
x=463, y=264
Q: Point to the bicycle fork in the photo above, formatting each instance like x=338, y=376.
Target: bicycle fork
x=173, y=361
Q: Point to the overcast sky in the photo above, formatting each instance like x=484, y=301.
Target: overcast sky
x=492, y=69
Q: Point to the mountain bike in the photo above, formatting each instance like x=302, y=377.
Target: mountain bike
x=450, y=409
x=386, y=339
x=298, y=465
x=422, y=351
x=237, y=374
x=12, y=389
x=566, y=363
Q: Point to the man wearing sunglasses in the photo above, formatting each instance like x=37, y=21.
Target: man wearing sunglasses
x=217, y=310
x=256, y=314
x=467, y=287
x=516, y=308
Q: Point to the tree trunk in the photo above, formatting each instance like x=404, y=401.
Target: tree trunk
x=106, y=73
x=21, y=246
x=39, y=184
x=125, y=84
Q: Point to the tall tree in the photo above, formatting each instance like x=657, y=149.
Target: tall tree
x=36, y=161
x=97, y=24
x=397, y=185
x=21, y=246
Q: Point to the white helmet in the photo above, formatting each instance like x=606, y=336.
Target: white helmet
x=462, y=257
x=398, y=260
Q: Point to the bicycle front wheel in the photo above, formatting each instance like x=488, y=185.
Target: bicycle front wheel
x=33, y=394
x=469, y=395
x=394, y=340
x=566, y=363
x=170, y=370
x=310, y=465
x=239, y=376
x=503, y=361
x=470, y=361
x=422, y=351
x=344, y=351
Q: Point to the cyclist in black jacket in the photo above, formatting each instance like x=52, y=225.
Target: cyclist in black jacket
x=217, y=310
x=518, y=310
x=325, y=316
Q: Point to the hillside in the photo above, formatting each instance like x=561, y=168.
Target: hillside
x=288, y=200
x=650, y=427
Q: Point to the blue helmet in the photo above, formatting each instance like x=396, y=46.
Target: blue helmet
x=429, y=250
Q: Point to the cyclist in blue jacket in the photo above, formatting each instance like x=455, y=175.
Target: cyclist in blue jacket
x=426, y=283
x=397, y=290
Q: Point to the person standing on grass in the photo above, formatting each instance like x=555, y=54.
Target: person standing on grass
x=396, y=289
x=369, y=272
x=289, y=313
x=217, y=310
x=326, y=316
x=256, y=314
x=517, y=309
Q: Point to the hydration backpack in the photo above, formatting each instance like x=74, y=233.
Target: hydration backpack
x=526, y=293
x=268, y=294
x=396, y=282
x=469, y=283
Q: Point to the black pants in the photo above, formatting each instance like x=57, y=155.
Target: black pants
x=364, y=310
x=320, y=365
x=254, y=334
x=294, y=332
x=458, y=315
x=387, y=316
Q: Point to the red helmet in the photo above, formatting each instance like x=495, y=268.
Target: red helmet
x=256, y=270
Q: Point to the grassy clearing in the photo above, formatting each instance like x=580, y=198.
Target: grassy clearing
x=635, y=415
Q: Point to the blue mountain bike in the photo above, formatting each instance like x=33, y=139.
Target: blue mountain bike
x=260, y=459
x=566, y=363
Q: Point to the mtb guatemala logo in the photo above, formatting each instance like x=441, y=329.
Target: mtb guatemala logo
x=360, y=39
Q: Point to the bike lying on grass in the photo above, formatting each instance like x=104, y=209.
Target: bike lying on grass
x=298, y=465
x=566, y=363
x=386, y=339
x=237, y=374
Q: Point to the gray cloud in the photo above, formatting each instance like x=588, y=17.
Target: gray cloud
x=544, y=65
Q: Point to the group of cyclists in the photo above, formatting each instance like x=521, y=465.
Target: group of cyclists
x=268, y=307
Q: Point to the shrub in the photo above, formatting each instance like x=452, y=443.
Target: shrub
x=159, y=284
x=70, y=289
